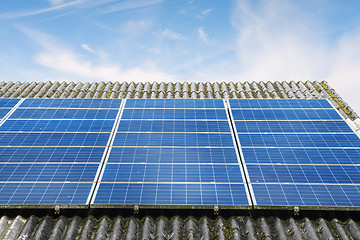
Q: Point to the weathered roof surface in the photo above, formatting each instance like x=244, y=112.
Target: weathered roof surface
x=310, y=225
x=177, y=227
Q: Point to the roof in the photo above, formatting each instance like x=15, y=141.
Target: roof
x=178, y=224
x=154, y=226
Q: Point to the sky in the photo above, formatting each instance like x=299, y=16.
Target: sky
x=183, y=40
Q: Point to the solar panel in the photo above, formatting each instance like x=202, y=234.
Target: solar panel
x=297, y=153
x=173, y=152
x=51, y=150
x=6, y=106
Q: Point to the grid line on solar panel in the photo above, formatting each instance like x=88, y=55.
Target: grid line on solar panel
x=71, y=103
x=279, y=103
x=286, y=114
x=51, y=154
x=171, y=194
x=302, y=155
x=169, y=114
x=285, y=126
x=174, y=103
x=57, y=126
x=210, y=173
x=299, y=140
x=8, y=102
x=314, y=174
x=44, y=193
x=172, y=155
x=337, y=195
x=57, y=114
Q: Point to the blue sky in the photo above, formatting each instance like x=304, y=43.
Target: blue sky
x=189, y=40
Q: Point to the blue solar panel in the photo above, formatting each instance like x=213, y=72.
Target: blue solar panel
x=279, y=103
x=178, y=152
x=307, y=195
x=174, y=103
x=58, y=125
x=335, y=174
x=173, y=139
x=205, y=173
x=71, y=103
x=23, y=193
x=302, y=155
x=33, y=113
x=302, y=162
x=8, y=102
x=179, y=114
x=51, y=154
x=25, y=172
x=54, y=139
x=173, y=126
x=171, y=194
x=299, y=140
x=51, y=150
x=172, y=155
x=292, y=126
x=286, y=114
x=4, y=111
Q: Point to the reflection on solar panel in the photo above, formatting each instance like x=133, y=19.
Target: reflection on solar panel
x=51, y=150
x=297, y=153
x=173, y=152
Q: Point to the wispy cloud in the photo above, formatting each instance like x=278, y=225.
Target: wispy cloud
x=167, y=33
x=278, y=40
x=203, y=35
x=128, y=5
x=98, y=53
x=32, y=12
x=65, y=61
x=56, y=2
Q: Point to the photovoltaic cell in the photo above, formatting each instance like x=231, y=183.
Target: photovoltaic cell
x=179, y=114
x=279, y=103
x=286, y=114
x=33, y=113
x=173, y=126
x=293, y=127
x=70, y=103
x=23, y=193
x=8, y=102
x=175, y=103
x=47, y=172
x=340, y=156
x=172, y=155
x=58, y=125
x=51, y=154
x=171, y=194
x=299, y=140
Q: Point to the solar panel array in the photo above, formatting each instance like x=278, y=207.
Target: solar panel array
x=298, y=153
x=184, y=152
x=173, y=152
x=51, y=150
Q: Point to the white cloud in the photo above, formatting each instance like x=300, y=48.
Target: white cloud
x=136, y=27
x=56, y=2
x=277, y=40
x=128, y=5
x=167, y=33
x=31, y=12
x=99, y=53
x=56, y=57
x=203, y=35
